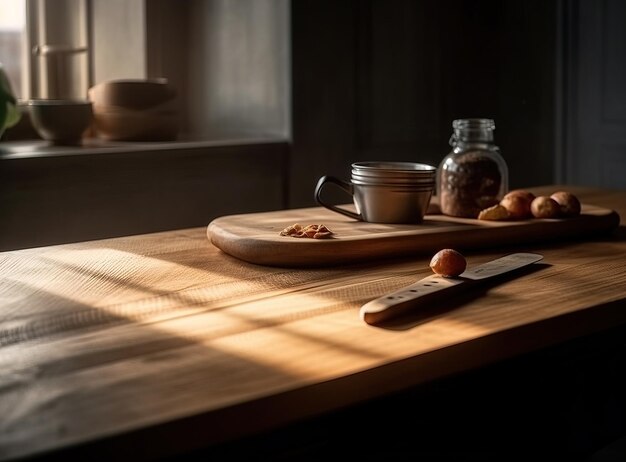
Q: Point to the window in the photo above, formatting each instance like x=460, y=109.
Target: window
x=43, y=47
x=227, y=59
x=12, y=52
x=57, y=41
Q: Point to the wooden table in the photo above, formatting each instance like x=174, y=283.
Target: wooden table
x=160, y=344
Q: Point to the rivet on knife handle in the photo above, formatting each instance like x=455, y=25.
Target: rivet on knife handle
x=426, y=290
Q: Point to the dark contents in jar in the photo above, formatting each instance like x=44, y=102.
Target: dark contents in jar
x=469, y=184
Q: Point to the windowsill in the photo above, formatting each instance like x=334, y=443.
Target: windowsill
x=40, y=148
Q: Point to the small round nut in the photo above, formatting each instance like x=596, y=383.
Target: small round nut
x=448, y=263
x=517, y=202
x=544, y=207
x=568, y=203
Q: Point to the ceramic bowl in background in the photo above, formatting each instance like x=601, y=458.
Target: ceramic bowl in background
x=135, y=110
x=137, y=94
x=61, y=121
x=130, y=125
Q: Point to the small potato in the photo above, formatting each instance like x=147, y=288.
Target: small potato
x=448, y=263
x=496, y=213
x=545, y=207
x=517, y=202
x=568, y=203
x=521, y=192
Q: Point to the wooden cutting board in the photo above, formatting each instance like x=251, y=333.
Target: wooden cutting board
x=256, y=238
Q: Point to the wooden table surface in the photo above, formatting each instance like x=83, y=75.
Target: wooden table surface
x=163, y=340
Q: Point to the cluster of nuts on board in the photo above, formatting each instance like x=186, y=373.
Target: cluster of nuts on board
x=520, y=204
x=312, y=231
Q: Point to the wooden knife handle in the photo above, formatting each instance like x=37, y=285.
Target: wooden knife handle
x=408, y=298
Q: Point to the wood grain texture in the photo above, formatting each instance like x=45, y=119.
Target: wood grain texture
x=162, y=342
x=256, y=237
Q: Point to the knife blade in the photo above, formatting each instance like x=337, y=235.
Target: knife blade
x=429, y=289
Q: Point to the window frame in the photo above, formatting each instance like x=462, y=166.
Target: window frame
x=213, y=105
x=64, y=25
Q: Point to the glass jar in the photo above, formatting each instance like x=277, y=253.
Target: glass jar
x=473, y=176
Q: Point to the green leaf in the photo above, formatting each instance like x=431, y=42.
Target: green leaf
x=13, y=115
x=9, y=112
x=3, y=116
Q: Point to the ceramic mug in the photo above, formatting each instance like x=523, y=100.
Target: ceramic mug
x=384, y=192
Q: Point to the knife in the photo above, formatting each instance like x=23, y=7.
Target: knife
x=430, y=288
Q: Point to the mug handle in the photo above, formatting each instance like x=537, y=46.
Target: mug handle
x=345, y=186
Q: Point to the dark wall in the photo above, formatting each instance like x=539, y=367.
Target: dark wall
x=594, y=142
x=50, y=199
x=376, y=79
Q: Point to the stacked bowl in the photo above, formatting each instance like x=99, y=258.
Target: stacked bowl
x=135, y=110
